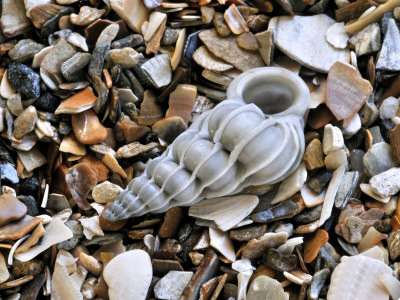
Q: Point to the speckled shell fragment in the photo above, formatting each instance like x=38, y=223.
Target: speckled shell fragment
x=233, y=146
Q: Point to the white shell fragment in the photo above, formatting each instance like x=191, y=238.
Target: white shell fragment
x=224, y=150
x=291, y=185
x=330, y=194
x=56, y=232
x=367, y=189
x=337, y=36
x=391, y=284
x=4, y=274
x=220, y=240
x=357, y=277
x=91, y=227
x=63, y=287
x=226, y=212
x=128, y=275
x=333, y=139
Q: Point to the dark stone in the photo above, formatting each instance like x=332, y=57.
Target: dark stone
x=97, y=60
x=31, y=204
x=118, y=77
x=348, y=248
x=132, y=41
x=32, y=288
x=51, y=25
x=24, y=80
x=30, y=186
x=72, y=68
x=136, y=87
x=283, y=210
x=319, y=7
x=318, y=182
x=140, y=74
x=63, y=34
x=309, y=215
x=280, y=262
x=47, y=102
x=192, y=43
x=77, y=231
x=356, y=160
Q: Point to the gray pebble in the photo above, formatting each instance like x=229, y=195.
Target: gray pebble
x=378, y=159
x=170, y=36
x=389, y=108
x=346, y=188
x=25, y=50
x=77, y=231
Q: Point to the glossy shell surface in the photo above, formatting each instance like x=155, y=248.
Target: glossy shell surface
x=253, y=138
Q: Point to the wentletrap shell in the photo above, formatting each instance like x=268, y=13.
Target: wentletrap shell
x=253, y=138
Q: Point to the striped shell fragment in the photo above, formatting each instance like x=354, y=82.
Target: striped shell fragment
x=231, y=147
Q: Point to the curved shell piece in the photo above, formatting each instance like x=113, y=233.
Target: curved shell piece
x=233, y=146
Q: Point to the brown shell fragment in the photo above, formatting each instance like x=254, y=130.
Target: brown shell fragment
x=97, y=166
x=235, y=20
x=150, y=111
x=41, y=13
x=181, y=101
x=77, y=103
x=81, y=179
x=87, y=128
x=209, y=61
x=132, y=131
x=16, y=230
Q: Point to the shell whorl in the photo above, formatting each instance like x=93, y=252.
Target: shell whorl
x=226, y=149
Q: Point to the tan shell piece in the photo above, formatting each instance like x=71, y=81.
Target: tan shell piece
x=357, y=277
x=233, y=146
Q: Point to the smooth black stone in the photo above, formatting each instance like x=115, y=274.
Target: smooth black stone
x=31, y=204
x=8, y=173
x=47, y=102
x=30, y=186
x=24, y=80
x=280, y=262
x=97, y=60
x=141, y=75
x=64, y=128
x=283, y=210
x=184, y=232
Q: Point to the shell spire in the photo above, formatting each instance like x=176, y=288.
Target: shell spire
x=255, y=137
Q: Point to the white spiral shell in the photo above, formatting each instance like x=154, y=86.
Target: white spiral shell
x=233, y=146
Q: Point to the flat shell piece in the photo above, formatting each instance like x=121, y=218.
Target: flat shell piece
x=56, y=232
x=181, y=101
x=226, y=212
x=291, y=184
x=209, y=61
x=63, y=287
x=4, y=274
x=330, y=194
x=310, y=198
x=227, y=49
x=220, y=240
x=357, y=277
x=18, y=229
x=302, y=38
x=128, y=275
x=346, y=91
x=235, y=20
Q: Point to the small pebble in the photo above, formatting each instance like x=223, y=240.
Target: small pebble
x=23, y=80
x=106, y=192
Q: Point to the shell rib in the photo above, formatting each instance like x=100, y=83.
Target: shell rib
x=233, y=146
